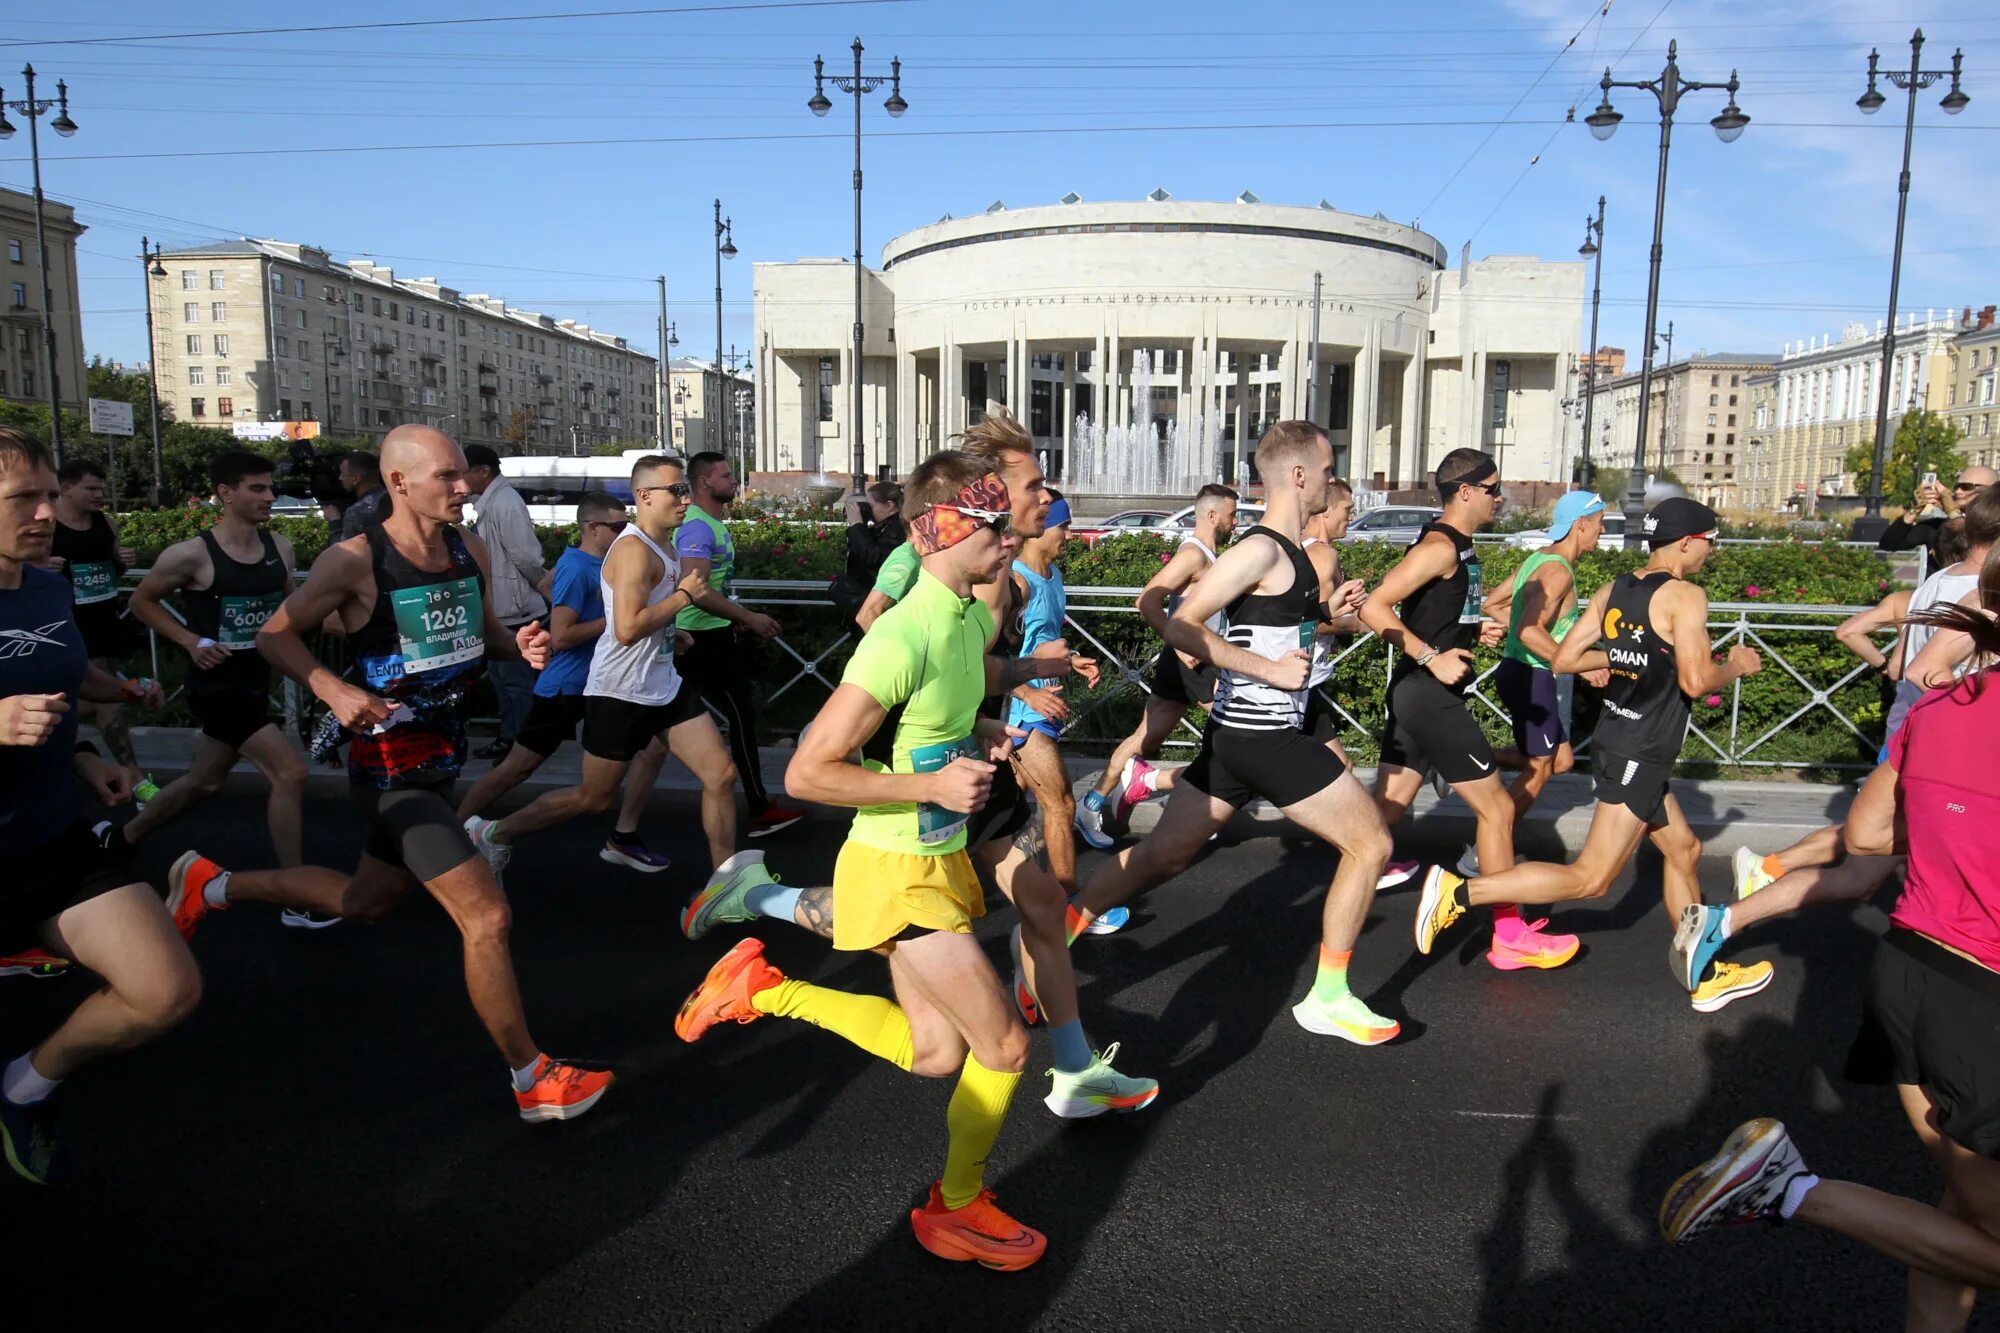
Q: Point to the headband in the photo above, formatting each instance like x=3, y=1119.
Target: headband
x=942, y=526
x=1486, y=468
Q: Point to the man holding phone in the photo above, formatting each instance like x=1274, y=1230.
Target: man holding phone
x=1906, y=535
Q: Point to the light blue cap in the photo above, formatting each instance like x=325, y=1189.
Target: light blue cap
x=1058, y=514
x=1573, y=506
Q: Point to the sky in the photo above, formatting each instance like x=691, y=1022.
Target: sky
x=561, y=162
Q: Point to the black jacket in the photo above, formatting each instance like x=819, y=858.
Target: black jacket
x=1903, y=535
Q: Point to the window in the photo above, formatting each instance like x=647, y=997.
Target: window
x=1732, y=400
x=1711, y=440
x=194, y=344
x=1733, y=380
x=333, y=384
x=190, y=311
x=1711, y=400
x=1732, y=419
x=461, y=328
x=336, y=414
x=376, y=301
x=306, y=380
x=285, y=349
x=392, y=310
x=14, y=249
x=1714, y=380
x=409, y=314
x=197, y=407
x=215, y=279
x=27, y=384
x=1711, y=418
x=826, y=388
x=284, y=378
x=299, y=288
x=277, y=282
x=218, y=311
x=194, y=375
x=222, y=374
x=306, y=411
x=299, y=318
x=225, y=407
x=1729, y=439
x=222, y=344
x=284, y=409
x=1503, y=376
x=187, y=279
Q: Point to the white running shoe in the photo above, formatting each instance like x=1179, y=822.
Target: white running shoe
x=1750, y=873
x=497, y=854
x=1468, y=864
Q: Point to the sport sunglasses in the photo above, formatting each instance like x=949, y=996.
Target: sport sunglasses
x=999, y=520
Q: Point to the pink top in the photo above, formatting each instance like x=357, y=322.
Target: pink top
x=1951, y=891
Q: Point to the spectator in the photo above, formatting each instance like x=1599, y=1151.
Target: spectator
x=869, y=542
x=1904, y=535
x=361, y=476
x=516, y=555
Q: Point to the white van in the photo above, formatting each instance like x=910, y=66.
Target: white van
x=553, y=484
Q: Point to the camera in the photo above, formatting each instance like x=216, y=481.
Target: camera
x=309, y=474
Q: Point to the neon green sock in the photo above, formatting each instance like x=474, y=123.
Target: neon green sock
x=1331, y=981
x=978, y=1108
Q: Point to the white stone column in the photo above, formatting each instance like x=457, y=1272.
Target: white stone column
x=1067, y=409
x=1111, y=382
x=1288, y=385
x=1362, y=400
x=903, y=449
x=1242, y=444
x=1412, y=426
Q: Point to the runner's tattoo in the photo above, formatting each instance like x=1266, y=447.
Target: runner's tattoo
x=1030, y=843
x=815, y=911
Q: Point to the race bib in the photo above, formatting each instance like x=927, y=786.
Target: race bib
x=1475, y=590
x=440, y=624
x=935, y=824
x=1308, y=634
x=94, y=582
x=242, y=617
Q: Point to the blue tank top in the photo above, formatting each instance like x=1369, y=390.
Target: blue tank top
x=41, y=652
x=1041, y=622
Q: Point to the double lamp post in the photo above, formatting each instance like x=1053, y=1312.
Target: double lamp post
x=34, y=109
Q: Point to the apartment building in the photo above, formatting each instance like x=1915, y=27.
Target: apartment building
x=1698, y=415
x=263, y=330
x=1971, y=402
x=710, y=407
x=24, y=363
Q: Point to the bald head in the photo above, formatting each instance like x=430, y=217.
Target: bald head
x=1978, y=476
x=412, y=445
x=425, y=473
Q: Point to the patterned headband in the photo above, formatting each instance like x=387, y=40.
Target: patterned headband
x=943, y=526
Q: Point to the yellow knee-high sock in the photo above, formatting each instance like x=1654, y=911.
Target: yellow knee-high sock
x=978, y=1106
x=874, y=1024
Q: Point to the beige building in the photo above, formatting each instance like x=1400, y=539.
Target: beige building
x=1758, y=470
x=710, y=408
x=24, y=365
x=1972, y=403
x=1146, y=344
x=258, y=330
x=1698, y=413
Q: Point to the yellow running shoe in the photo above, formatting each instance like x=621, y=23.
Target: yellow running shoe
x=1443, y=902
x=1729, y=982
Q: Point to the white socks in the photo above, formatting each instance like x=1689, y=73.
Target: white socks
x=1151, y=782
x=1728, y=924
x=1795, y=1194
x=524, y=1077
x=23, y=1086
x=216, y=892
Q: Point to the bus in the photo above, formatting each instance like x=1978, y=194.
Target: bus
x=553, y=484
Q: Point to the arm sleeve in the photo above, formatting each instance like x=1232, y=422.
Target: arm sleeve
x=695, y=540
x=1903, y=535
x=886, y=665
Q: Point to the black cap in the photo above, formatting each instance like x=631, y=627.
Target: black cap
x=482, y=455
x=1678, y=517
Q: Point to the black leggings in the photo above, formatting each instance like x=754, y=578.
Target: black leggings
x=717, y=667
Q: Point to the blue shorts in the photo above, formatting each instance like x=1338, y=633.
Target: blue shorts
x=1529, y=696
x=1033, y=725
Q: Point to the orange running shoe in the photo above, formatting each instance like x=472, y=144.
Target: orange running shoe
x=33, y=963
x=724, y=994
x=187, y=900
x=562, y=1092
x=978, y=1232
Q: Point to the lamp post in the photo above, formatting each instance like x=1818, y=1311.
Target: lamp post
x=1667, y=89
x=34, y=109
x=1593, y=246
x=725, y=248
x=150, y=267
x=1871, y=525
x=856, y=85
x=1666, y=401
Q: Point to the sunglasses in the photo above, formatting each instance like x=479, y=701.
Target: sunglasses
x=1963, y=486
x=680, y=490
x=998, y=520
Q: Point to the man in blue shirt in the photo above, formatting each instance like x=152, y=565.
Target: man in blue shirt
x=576, y=618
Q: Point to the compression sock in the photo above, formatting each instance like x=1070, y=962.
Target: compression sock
x=978, y=1107
x=1069, y=1047
x=1331, y=981
x=773, y=900
x=1507, y=924
x=874, y=1024
x=24, y=1085
x=1094, y=800
x=1773, y=866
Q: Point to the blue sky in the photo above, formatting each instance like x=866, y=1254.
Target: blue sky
x=1431, y=111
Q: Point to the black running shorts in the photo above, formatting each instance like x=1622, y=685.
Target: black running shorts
x=552, y=719
x=617, y=730
x=1931, y=1019
x=231, y=716
x=415, y=828
x=1283, y=767
x=1177, y=682
x=42, y=883
x=1006, y=812
x=1430, y=727
x=1633, y=783
x=1529, y=696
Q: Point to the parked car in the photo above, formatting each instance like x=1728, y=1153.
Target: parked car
x=1391, y=523
x=294, y=506
x=1120, y=523
x=1534, y=539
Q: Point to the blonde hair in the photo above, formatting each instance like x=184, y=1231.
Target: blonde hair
x=994, y=438
x=1285, y=444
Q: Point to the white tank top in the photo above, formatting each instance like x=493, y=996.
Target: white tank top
x=1940, y=589
x=1217, y=623
x=642, y=672
x=1322, y=667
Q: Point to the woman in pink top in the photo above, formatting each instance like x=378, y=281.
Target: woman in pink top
x=1932, y=1019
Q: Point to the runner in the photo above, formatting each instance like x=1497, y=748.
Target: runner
x=1931, y=1009
x=715, y=663
x=1178, y=682
x=1428, y=726
x=1654, y=628
x=904, y=885
x=576, y=619
x=88, y=550
x=1255, y=744
x=634, y=693
x=1340, y=602
x=230, y=579
x=62, y=891
x=410, y=593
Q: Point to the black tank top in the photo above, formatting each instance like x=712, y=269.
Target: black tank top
x=238, y=600
x=1645, y=714
x=1269, y=625
x=1445, y=613
x=90, y=562
x=423, y=648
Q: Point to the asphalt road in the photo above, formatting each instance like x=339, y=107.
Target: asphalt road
x=329, y=1142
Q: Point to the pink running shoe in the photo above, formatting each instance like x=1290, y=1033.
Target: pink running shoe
x=1133, y=788
x=1532, y=948
x=1398, y=872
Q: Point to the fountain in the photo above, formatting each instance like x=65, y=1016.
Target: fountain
x=1139, y=458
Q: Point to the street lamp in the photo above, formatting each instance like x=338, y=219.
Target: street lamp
x=34, y=109
x=857, y=84
x=725, y=248
x=1667, y=89
x=150, y=267
x=1871, y=525
x=1666, y=401
x=1593, y=246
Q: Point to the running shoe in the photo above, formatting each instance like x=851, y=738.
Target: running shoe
x=1468, y=863
x=1024, y=997
x=1133, y=788
x=1110, y=923
x=1090, y=823
x=298, y=920
x=1746, y=1181
x=187, y=901
x=1750, y=873
x=1697, y=939
x=722, y=900
x=1347, y=1018
x=1532, y=948
x=1397, y=872
x=1729, y=982
x=33, y=963
x=1443, y=902
x=143, y=791
x=775, y=817
x=724, y=994
x=562, y=1091
x=497, y=854
x=1097, y=1088
x=979, y=1233
x=630, y=850
x=29, y=1141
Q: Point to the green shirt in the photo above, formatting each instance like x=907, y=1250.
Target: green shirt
x=702, y=536
x=899, y=572
x=1514, y=648
x=924, y=661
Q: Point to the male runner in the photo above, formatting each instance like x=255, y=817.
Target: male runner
x=410, y=594
x=713, y=663
x=1178, y=682
x=904, y=886
x=61, y=890
x=634, y=693
x=229, y=579
x=1653, y=626
x=1340, y=601
x=1438, y=586
x=576, y=619
x=87, y=549
x=1255, y=744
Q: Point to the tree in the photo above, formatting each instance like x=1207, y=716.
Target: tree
x=520, y=428
x=1925, y=442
